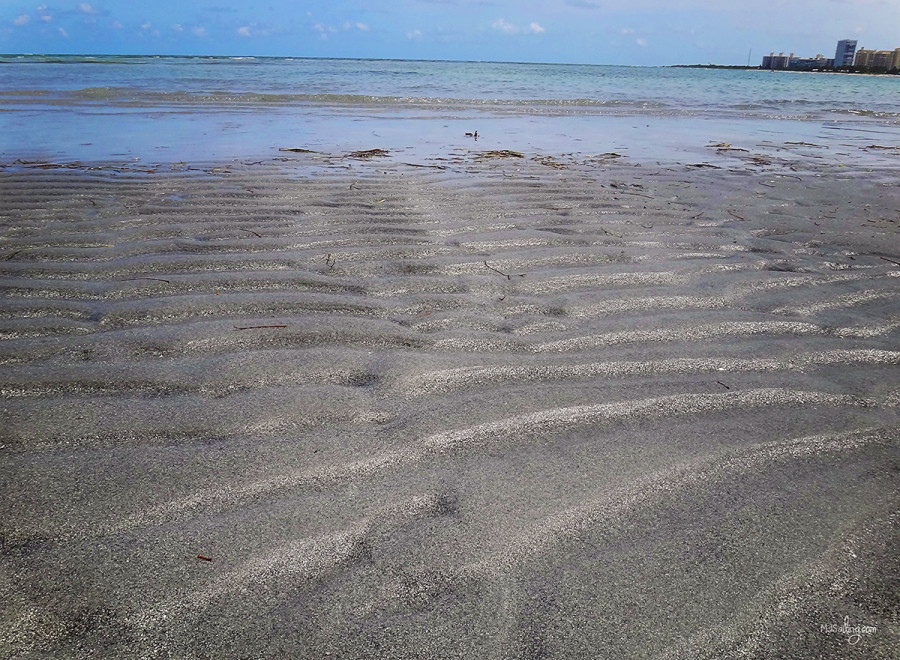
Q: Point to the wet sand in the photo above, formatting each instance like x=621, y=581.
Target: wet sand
x=473, y=407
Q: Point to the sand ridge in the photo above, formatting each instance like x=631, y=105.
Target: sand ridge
x=485, y=409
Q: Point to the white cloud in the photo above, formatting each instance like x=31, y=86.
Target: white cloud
x=147, y=25
x=116, y=25
x=46, y=18
x=244, y=31
x=177, y=27
x=199, y=31
x=641, y=42
x=64, y=34
x=627, y=30
x=414, y=35
x=508, y=28
x=22, y=20
x=87, y=8
x=362, y=26
x=503, y=26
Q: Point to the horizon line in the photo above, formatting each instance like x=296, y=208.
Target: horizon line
x=370, y=59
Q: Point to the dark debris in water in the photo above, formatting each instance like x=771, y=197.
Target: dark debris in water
x=501, y=153
x=368, y=153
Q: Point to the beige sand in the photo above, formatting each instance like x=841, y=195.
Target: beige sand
x=498, y=408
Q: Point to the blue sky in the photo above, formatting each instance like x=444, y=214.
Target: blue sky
x=587, y=31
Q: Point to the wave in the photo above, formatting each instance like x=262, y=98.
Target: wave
x=131, y=96
x=123, y=96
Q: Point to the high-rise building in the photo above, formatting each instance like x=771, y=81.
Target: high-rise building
x=864, y=58
x=882, y=60
x=843, y=56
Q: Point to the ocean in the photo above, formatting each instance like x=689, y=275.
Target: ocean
x=178, y=108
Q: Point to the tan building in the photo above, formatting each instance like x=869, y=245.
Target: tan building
x=882, y=60
x=864, y=58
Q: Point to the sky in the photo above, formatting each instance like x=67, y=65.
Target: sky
x=637, y=32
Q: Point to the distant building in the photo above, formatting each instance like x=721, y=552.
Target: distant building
x=846, y=56
x=864, y=59
x=780, y=61
x=843, y=56
x=817, y=63
x=783, y=62
x=882, y=60
x=877, y=60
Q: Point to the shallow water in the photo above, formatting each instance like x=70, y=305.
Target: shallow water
x=176, y=108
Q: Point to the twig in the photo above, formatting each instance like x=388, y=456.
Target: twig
x=890, y=260
x=435, y=167
x=251, y=232
x=506, y=275
x=500, y=272
x=155, y=279
x=735, y=215
x=723, y=384
x=257, y=327
x=204, y=558
x=330, y=261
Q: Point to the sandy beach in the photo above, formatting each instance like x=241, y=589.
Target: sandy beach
x=481, y=405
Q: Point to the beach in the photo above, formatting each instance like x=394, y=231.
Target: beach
x=478, y=404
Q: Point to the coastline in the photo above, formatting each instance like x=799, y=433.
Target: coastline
x=451, y=403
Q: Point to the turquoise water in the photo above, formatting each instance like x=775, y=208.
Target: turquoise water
x=185, y=107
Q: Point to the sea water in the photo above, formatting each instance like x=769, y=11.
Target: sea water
x=182, y=108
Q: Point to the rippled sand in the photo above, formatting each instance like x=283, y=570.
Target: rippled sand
x=489, y=408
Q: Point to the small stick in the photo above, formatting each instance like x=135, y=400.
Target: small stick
x=330, y=261
x=891, y=260
x=155, y=279
x=252, y=232
x=735, y=215
x=506, y=275
x=257, y=327
x=204, y=558
x=767, y=185
x=723, y=384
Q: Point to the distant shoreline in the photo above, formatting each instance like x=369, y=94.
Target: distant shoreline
x=742, y=67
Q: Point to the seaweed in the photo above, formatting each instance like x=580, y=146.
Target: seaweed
x=368, y=154
x=501, y=153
